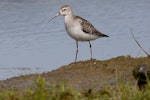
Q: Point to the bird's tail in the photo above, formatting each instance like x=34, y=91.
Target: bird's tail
x=103, y=35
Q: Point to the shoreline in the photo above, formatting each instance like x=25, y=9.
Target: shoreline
x=84, y=74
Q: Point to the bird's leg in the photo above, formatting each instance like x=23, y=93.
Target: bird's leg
x=90, y=49
x=76, y=51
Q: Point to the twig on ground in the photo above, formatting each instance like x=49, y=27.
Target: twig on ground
x=139, y=44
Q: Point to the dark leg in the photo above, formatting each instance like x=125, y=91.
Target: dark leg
x=76, y=51
x=90, y=49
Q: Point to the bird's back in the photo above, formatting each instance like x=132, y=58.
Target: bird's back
x=88, y=28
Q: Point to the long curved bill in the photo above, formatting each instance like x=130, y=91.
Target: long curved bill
x=54, y=17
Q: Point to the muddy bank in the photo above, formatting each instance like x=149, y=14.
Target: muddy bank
x=84, y=75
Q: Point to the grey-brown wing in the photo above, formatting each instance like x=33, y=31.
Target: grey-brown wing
x=88, y=28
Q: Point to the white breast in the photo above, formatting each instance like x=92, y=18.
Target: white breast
x=74, y=30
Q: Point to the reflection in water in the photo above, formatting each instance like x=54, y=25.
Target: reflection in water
x=28, y=40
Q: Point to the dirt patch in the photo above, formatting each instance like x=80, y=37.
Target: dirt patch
x=84, y=75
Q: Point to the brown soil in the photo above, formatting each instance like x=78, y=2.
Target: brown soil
x=84, y=75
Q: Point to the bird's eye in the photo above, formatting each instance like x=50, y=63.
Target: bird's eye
x=64, y=9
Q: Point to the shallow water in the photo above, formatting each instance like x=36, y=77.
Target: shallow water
x=30, y=44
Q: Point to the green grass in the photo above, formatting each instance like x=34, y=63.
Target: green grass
x=43, y=91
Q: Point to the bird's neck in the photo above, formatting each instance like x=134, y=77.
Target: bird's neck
x=69, y=18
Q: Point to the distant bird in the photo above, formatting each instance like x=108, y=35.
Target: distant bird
x=78, y=28
x=142, y=74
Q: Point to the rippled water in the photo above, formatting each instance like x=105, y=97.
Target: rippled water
x=30, y=44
